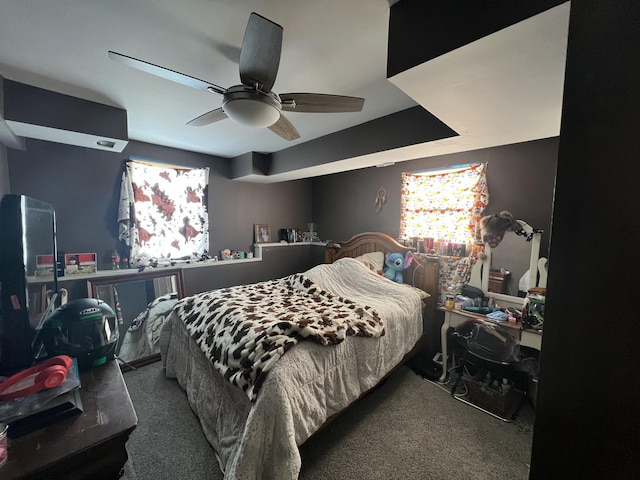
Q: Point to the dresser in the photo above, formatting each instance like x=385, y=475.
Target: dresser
x=498, y=281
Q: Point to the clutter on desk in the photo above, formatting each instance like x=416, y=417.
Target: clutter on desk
x=468, y=297
x=480, y=310
x=498, y=316
x=461, y=302
x=449, y=300
x=533, y=310
x=476, y=294
x=472, y=299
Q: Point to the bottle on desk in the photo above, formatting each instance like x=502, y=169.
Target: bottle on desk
x=449, y=298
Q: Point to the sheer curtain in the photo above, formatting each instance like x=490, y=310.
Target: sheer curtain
x=444, y=205
x=163, y=213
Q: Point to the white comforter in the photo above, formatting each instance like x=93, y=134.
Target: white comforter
x=308, y=384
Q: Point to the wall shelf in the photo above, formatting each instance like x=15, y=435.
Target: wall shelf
x=134, y=271
x=258, y=247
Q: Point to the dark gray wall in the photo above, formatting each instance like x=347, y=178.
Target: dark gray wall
x=277, y=262
x=4, y=171
x=84, y=184
x=588, y=411
x=520, y=177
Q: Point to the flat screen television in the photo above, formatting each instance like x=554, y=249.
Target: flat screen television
x=28, y=255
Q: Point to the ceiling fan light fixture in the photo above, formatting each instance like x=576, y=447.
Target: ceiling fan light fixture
x=253, y=103
x=251, y=108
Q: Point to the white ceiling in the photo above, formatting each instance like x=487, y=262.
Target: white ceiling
x=505, y=87
x=502, y=89
x=330, y=46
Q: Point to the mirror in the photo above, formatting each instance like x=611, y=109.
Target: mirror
x=510, y=261
x=142, y=301
x=27, y=254
x=537, y=267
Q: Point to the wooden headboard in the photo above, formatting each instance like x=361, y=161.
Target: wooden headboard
x=423, y=272
x=362, y=243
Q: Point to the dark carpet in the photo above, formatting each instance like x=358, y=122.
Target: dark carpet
x=409, y=428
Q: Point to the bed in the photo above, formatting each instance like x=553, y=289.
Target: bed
x=255, y=433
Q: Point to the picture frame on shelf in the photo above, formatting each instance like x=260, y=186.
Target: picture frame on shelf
x=263, y=233
x=77, y=263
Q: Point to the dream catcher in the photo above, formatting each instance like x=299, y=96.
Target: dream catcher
x=381, y=199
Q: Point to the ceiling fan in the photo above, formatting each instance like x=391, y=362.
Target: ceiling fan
x=253, y=103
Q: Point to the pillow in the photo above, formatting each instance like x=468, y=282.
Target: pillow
x=421, y=293
x=374, y=260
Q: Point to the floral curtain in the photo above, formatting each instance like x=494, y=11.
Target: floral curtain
x=445, y=206
x=454, y=272
x=163, y=214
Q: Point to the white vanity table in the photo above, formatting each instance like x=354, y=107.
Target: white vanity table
x=453, y=318
x=480, y=279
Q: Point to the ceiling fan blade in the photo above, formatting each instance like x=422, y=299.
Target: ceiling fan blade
x=166, y=73
x=207, y=118
x=320, y=103
x=260, y=53
x=285, y=129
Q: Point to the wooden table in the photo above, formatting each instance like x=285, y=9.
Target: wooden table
x=89, y=445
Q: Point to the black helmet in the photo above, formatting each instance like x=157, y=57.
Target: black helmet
x=85, y=328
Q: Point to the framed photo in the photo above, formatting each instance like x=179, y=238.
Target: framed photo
x=75, y=263
x=263, y=233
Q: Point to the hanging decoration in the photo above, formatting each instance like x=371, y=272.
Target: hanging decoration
x=494, y=227
x=381, y=199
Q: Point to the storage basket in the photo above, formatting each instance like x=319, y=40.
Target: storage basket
x=495, y=401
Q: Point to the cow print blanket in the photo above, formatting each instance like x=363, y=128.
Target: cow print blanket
x=245, y=329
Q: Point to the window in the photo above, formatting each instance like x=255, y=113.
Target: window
x=163, y=214
x=444, y=206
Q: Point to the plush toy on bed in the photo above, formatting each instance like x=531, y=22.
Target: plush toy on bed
x=395, y=263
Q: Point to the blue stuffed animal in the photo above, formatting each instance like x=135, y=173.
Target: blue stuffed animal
x=395, y=263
